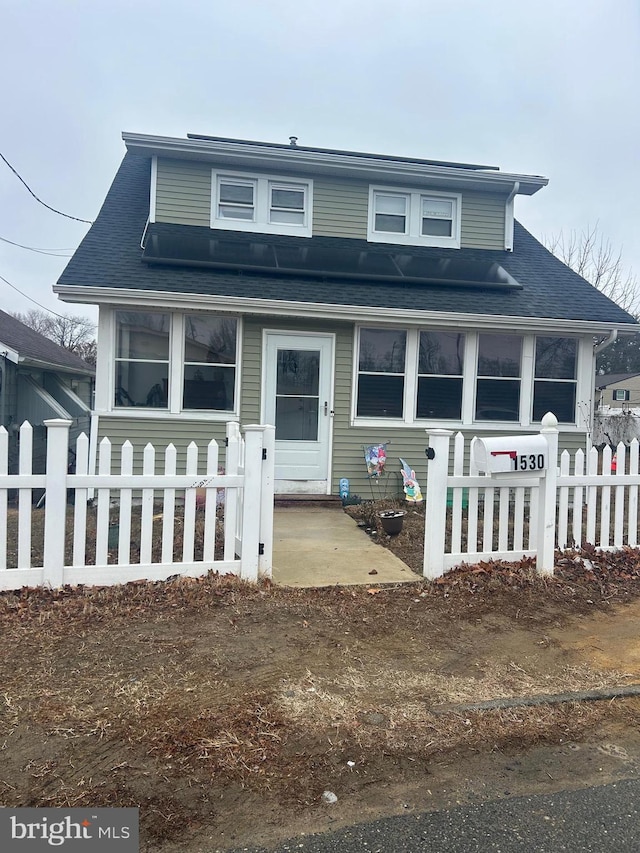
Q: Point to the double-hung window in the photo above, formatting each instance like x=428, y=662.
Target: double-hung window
x=414, y=218
x=498, y=377
x=440, y=372
x=261, y=203
x=554, y=386
x=381, y=370
x=142, y=359
x=209, y=362
x=177, y=362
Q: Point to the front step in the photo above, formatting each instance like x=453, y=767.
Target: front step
x=326, y=501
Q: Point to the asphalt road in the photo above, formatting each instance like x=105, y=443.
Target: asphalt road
x=599, y=819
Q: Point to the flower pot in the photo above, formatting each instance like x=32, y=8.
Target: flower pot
x=391, y=520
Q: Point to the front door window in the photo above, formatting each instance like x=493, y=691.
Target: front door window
x=297, y=395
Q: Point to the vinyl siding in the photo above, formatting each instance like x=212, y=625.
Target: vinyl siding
x=183, y=192
x=183, y=197
x=340, y=209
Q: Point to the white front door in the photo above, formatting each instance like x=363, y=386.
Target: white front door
x=298, y=399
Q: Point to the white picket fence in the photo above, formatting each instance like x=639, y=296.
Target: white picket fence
x=587, y=499
x=120, y=526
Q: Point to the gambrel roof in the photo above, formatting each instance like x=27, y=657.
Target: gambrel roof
x=110, y=256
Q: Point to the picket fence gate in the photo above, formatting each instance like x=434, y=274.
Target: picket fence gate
x=511, y=516
x=90, y=538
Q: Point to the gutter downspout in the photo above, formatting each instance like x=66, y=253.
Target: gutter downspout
x=598, y=348
x=508, y=218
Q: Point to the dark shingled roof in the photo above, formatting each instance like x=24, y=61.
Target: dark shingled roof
x=110, y=256
x=606, y=379
x=33, y=346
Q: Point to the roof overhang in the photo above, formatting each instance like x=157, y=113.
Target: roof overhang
x=261, y=156
x=348, y=313
x=8, y=353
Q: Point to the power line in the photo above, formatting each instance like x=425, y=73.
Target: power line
x=31, y=299
x=56, y=253
x=39, y=200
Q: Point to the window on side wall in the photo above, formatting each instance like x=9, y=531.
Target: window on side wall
x=209, y=362
x=440, y=370
x=498, y=378
x=261, y=204
x=414, y=218
x=554, y=386
x=381, y=373
x=142, y=359
x=621, y=395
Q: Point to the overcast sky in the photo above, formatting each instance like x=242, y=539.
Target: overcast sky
x=547, y=87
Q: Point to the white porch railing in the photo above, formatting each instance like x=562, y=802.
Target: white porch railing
x=146, y=525
x=585, y=499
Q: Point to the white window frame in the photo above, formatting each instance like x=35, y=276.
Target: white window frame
x=467, y=420
x=106, y=370
x=625, y=395
x=413, y=230
x=261, y=222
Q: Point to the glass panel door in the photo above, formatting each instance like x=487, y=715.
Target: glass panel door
x=297, y=394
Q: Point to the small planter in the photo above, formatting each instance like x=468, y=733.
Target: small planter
x=391, y=520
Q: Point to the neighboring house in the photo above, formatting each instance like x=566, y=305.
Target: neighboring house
x=40, y=380
x=618, y=390
x=349, y=298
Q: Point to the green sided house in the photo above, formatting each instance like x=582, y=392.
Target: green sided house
x=350, y=299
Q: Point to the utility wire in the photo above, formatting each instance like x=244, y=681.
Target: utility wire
x=39, y=200
x=31, y=299
x=56, y=253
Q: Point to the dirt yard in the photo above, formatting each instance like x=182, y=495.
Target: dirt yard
x=225, y=711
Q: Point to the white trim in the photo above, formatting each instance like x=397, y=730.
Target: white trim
x=413, y=227
x=297, y=333
x=9, y=354
x=153, y=189
x=509, y=218
x=370, y=314
x=255, y=156
x=106, y=360
x=260, y=223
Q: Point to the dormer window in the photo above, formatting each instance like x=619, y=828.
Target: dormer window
x=262, y=204
x=414, y=218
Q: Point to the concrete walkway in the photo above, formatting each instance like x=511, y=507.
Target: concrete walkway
x=318, y=546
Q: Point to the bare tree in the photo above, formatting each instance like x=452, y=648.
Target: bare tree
x=594, y=258
x=76, y=334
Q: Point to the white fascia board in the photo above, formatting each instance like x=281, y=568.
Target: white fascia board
x=356, y=313
x=316, y=162
x=9, y=354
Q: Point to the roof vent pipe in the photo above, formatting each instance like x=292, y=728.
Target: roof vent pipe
x=293, y=141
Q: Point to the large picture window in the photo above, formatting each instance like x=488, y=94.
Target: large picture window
x=381, y=368
x=142, y=359
x=440, y=369
x=498, y=382
x=554, y=387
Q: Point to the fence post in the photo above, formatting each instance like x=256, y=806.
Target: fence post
x=55, y=507
x=547, y=499
x=265, y=560
x=253, y=443
x=435, y=516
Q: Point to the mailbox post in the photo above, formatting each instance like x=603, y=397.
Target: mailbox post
x=528, y=456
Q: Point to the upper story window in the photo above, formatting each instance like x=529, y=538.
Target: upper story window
x=262, y=204
x=414, y=218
